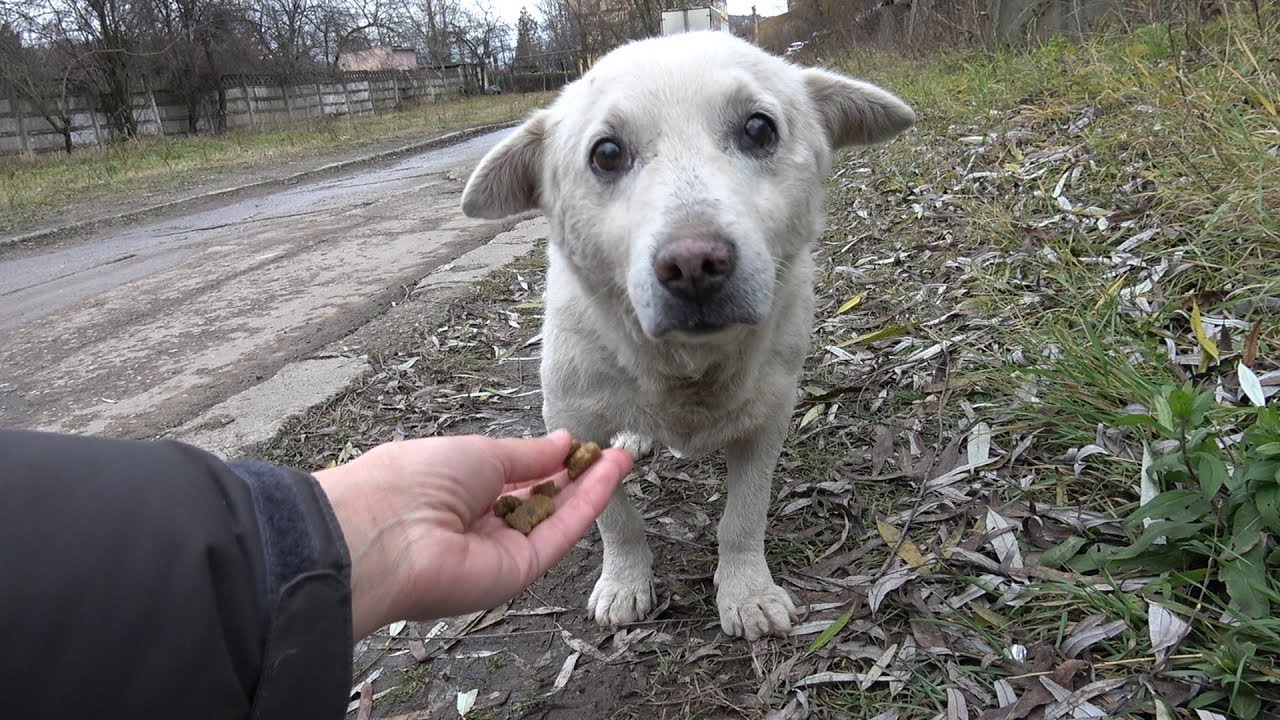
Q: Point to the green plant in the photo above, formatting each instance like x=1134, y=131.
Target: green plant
x=1208, y=527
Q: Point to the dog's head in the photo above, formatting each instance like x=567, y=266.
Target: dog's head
x=686, y=171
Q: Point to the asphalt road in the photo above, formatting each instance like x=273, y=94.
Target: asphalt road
x=133, y=331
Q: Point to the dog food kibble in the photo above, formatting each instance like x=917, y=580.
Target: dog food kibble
x=531, y=512
x=581, y=456
x=525, y=516
x=506, y=505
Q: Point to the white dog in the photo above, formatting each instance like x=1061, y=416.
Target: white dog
x=682, y=179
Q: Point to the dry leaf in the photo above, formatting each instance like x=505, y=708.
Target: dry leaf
x=979, y=444
x=887, y=584
x=957, y=707
x=466, y=701
x=1250, y=385
x=1083, y=638
x=851, y=303
x=1249, y=354
x=1202, y=336
x=1004, y=543
x=1165, y=629
x=903, y=546
x=566, y=672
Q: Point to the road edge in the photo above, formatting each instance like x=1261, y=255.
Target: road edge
x=61, y=231
x=241, y=424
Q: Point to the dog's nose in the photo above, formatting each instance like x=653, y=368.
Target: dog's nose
x=694, y=268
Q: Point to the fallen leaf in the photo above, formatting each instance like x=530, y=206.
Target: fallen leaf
x=1004, y=543
x=419, y=651
x=881, y=334
x=814, y=413
x=566, y=672
x=927, y=635
x=797, y=709
x=881, y=448
x=979, y=444
x=877, y=669
x=887, y=584
x=851, y=303
x=957, y=707
x=1249, y=354
x=1090, y=634
x=1202, y=336
x=832, y=630
x=1165, y=629
x=466, y=701
x=824, y=678
x=1250, y=385
x=903, y=546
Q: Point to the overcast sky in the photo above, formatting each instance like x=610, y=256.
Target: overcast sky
x=510, y=9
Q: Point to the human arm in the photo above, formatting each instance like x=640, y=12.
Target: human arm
x=156, y=581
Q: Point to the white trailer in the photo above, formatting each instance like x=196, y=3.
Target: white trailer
x=708, y=17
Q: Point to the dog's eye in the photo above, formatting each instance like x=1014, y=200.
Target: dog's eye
x=608, y=157
x=759, y=133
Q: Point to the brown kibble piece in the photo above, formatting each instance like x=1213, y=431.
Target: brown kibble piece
x=531, y=512
x=506, y=505
x=583, y=455
x=546, y=489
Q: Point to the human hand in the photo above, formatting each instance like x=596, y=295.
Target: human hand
x=424, y=543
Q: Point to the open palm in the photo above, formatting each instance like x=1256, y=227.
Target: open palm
x=423, y=539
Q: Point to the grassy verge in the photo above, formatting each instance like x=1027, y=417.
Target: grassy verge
x=998, y=501
x=1075, y=231
x=36, y=188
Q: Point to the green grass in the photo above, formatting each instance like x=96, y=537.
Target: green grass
x=38, y=188
x=1183, y=140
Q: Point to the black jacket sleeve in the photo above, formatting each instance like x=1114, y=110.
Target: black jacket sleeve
x=151, y=580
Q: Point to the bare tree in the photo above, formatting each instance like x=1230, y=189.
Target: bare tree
x=483, y=38
x=38, y=69
x=347, y=25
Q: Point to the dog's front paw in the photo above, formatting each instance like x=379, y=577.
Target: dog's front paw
x=621, y=598
x=752, y=606
x=636, y=446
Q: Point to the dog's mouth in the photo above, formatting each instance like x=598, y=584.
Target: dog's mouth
x=701, y=323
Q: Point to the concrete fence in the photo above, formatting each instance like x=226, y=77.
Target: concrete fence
x=251, y=102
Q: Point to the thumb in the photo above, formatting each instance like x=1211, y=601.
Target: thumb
x=523, y=459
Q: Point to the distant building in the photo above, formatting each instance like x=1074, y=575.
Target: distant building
x=379, y=58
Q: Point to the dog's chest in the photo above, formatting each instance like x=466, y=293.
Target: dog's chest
x=695, y=416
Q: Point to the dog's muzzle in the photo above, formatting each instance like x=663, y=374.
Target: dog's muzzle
x=696, y=273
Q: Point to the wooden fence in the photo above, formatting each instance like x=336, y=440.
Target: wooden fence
x=252, y=102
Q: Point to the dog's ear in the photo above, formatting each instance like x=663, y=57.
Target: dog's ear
x=855, y=112
x=506, y=180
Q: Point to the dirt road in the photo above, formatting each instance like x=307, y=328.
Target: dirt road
x=134, y=331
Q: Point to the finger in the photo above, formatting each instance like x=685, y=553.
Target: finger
x=520, y=487
x=524, y=459
x=584, y=500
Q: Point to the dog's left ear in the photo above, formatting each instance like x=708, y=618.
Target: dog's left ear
x=855, y=112
x=506, y=182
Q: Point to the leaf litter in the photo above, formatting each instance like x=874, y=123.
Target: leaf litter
x=916, y=511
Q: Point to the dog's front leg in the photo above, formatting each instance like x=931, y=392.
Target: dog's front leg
x=750, y=603
x=624, y=592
